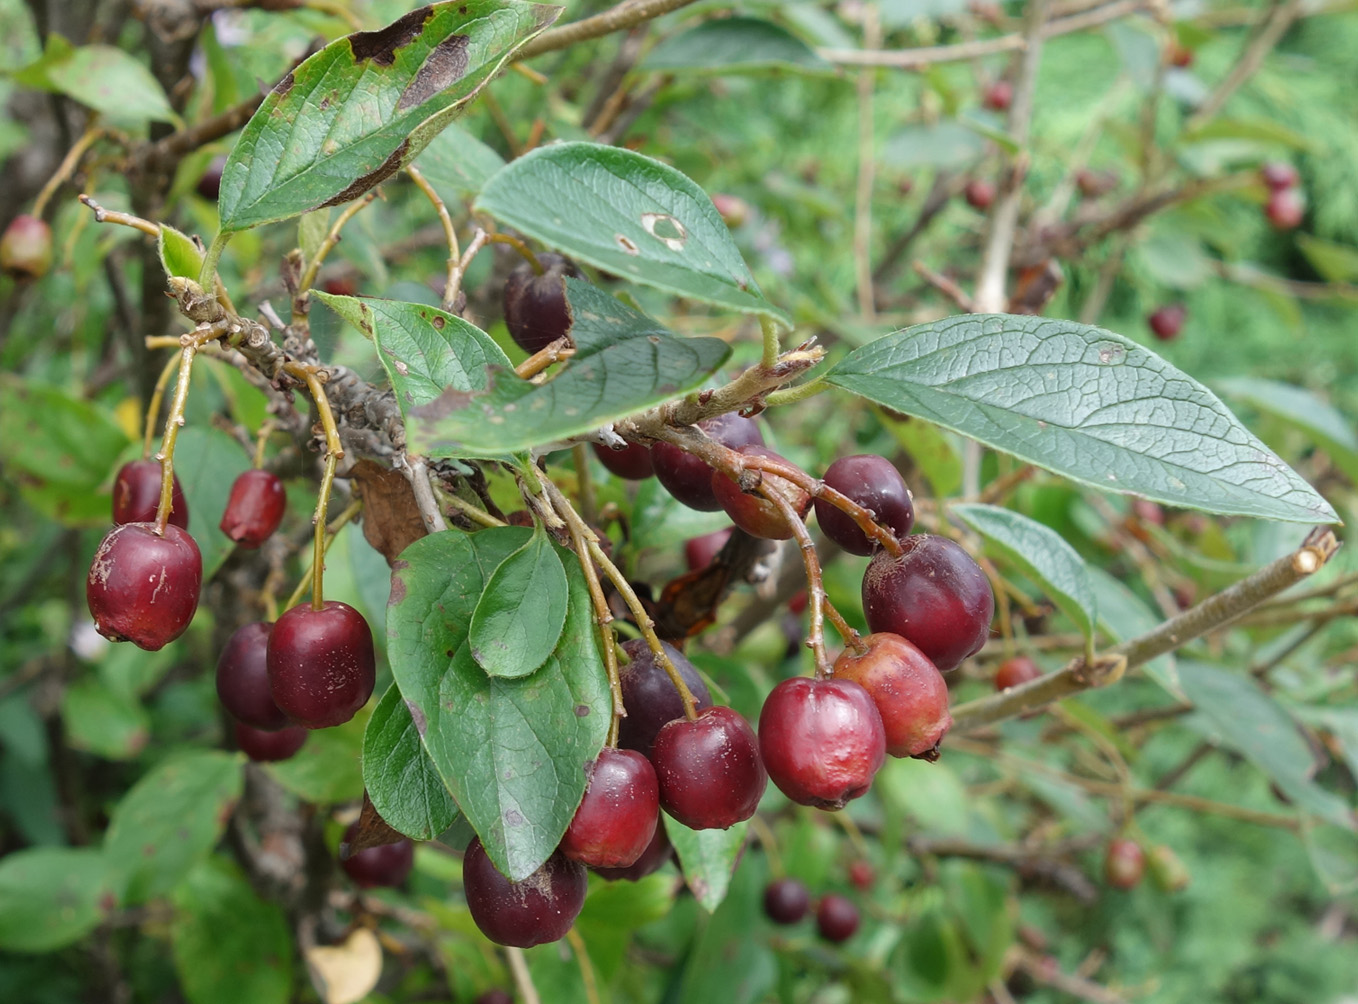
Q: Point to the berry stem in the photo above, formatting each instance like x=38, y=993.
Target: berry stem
x=603, y=617
x=313, y=267
x=262, y=440
x=815, y=590
x=451, y=283
x=334, y=450
x=332, y=531
x=175, y=420
x=587, y=977
x=560, y=349
x=851, y=637
x=520, y=247
x=769, y=841
x=153, y=409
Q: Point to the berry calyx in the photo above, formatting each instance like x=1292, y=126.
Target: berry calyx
x=752, y=511
x=934, y=595
x=1279, y=174
x=1012, y=672
x=652, y=859
x=243, y=679
x=1166, y=322
x=269, y=746
x=632, y=462
x=836, y=918
x=874, y=483
x=979, y=193
x=617, y=818
x=999, y=96
x=1124, y=863
x=1285, y=209
x=254, y=508
x=537, y=910
x=699, y=551
x=709, y=770
x=136, y=494
x=26, y=248
x=688, y=478
x=383, y=865
x=649, y=695
x=786, y=900
x=907, y=689
x=822, y=741
x=321, y=664
x=536, y=312
x=143, y=587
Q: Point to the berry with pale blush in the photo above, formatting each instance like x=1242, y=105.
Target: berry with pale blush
x=649, y=695
x=862, y=875
x=836, y=918
x=710, y=773
x=874, y=483
x=617, y=817
x=822, y=741
x=908, y=690
x=383, y=865
x=1124, y=863
x=322, y=666
x=979, y=193
x=1285, y=209
x=786, y=900
x=536, y=312
x=688, y=478
x=143, y=587
x=1279, y=174
x=26, y=248
x=752, y=511
x=999, y=96
x=537, y=910
x=254, y=508
x=1012, y=672
x=243, y=679
x=136, y=494
x=632, y=462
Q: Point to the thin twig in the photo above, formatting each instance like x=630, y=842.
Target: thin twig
x=624, y=15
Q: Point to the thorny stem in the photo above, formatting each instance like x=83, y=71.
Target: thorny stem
x=313, y=267
x=153, y=409
x=331, y=531
x=450, y=286
x=334, y=450
x=175, y=420
x=67, y=167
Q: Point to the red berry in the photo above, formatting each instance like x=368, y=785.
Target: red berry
x=862, y=875
x=617, y=818
x=210, y=184
x=786, y=900
x=734, y=210
x=1015, y=671
x=384, y=865
x=979, y=194
x=1177, y=54
x=822, y=741
x=268, y=747
x=836, y=918
x=751, y=511
x=699, y=551
x=657, y=852
x=341, y=286
x=536, y=313
x=874, y=483
x=1124, y=863
x=797, y=605
x=539, y=909
x=136, y=494
x=1286, y=208
x=254, y=509
x=243, y=679
x=934, y=595
x=632, y=462
x=26, y=248
x=321, y=664
x=1148, y=511
x=709, y=769
x=143, y=587
x=1166, y=322
x=689, y=479
x=1279, y=174
x=650, y=697
x=999, y=96
x=908, y=690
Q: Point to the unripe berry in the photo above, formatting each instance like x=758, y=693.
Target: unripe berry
x=26, y=248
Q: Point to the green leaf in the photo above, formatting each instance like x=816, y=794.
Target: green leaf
x=512, y=752
x=228, y=944
x=944, y=144
x=207, y=462
x=51, y=897
x=707, y=858
x=99, y=721
x=1301, y=409
x=356, y=112
x=1259, y=130
x=179, y=255
x=327, y=769
x=624, y=362
x=1124, y=616
x=1083, y=402
x=1335, y=262
x=424, y=350
x=1042, y=554
x=727, y=963
x=629, y=215
x=735, y=45
x=103, y=77
x=519, y=618
x=169, y=820
x=456, y=163
x=400, y=778
x=932, y=451
x=1248, y=720
x=979, y=900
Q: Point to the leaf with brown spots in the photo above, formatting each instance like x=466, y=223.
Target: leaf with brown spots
x=363, y=107
x=391, y=517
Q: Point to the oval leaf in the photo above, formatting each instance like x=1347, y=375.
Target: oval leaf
x=629, y=215
x=521, y=613
x=356, y=112
x=512, y=752
x=405, y=789
x=1303, y=410
x=458, y=164
x=179, y=255
x=1083, y=402
x=707, y=858
x=624, y=362
x=1042, y=554
x=51, y=897
x=733, y=45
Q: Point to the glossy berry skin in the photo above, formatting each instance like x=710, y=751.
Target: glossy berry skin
x=979, y=194
x=143, y=588
x=650, y=697
x=999, y=96
x=907, y=689
x=700, y=551
x=751, y=511
x=1124, y=863
x=26, y=248
x=616, y=820
x=321, y=664
x=136, y=494
x=1285, y=209
x=383, y=865
x=536, y=313
x=689, y=479
x=1166, y=322
x=1012, y=672
x=243, y=679
x=836, y=918
x=1279, y=174
x=633, y=462
x=269, y=747
x=652, y=859
x=786, y=900
x=254, y=508
x=537, y=910
x=822, y=741
x=874, y=483
x=934, y=595
x=710, y=773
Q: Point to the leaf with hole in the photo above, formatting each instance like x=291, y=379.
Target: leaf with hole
x=1086, y=403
